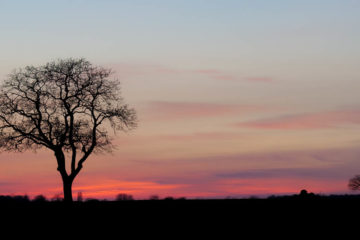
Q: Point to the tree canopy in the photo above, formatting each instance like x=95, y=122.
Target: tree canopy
x=354, y=183
x=66, y=106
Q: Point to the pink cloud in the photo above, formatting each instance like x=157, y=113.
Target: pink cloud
x=207, y=71
x=225, y=77
x=201, y=136
x=307, y=121
x=197, y=136
x=164, y=110
x=216, y=74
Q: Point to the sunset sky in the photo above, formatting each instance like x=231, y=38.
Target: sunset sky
x=234, y=97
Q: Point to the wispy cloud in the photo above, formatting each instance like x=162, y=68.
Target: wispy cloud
x=310, y=172
x=126, y=70
x=196, y=137
x=316, y=120
x=194, y=109
x=201, y=136
x=164, y=110
x=7, y=184
x=215, y=74
x=260, y=79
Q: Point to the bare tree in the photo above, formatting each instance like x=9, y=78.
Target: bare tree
x=67, y=106
x=354, y=183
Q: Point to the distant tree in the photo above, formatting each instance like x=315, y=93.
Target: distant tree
x=169, y=198
x=66, y=106
x=354, y=183
x=181, y=198
x=124, y=197
x=304, y=194
x=80, y=197
x=57, y=198
x=154, y=197
x=39, y=198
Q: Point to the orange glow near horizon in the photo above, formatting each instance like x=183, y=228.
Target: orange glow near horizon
x=235, y=188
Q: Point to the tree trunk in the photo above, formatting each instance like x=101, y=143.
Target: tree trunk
x=67, y=184
x=67, y=180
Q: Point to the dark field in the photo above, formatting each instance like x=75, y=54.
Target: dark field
x=310, y=206
x=294, y=215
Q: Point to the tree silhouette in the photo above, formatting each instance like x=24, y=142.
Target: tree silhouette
x=354, y=183
x=124, y=197
x=40, y=199
x=67, y=106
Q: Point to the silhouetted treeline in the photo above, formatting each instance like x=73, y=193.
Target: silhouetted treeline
x=276, y=212
x=312, y=196
x=304, y=205
x=14, y=199
x=303, y=195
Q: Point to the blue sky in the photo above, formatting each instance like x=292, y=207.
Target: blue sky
x=163, y=30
